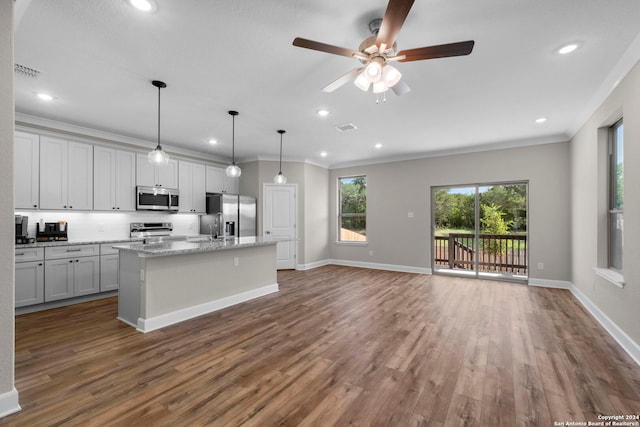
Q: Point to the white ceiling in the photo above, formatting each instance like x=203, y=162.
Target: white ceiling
x=97, y=58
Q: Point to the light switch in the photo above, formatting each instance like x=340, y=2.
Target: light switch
x=410, y=215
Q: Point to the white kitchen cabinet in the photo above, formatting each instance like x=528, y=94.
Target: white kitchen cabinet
x=26, y=170
x=192, y=187
x=29, y=276
x=71, y=271
x=66, y=174
x=109, y=272
x=114, y=179
x=149, y=175
x=109, y=263
x=219, y=182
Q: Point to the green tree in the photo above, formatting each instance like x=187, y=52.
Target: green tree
x=493, y=222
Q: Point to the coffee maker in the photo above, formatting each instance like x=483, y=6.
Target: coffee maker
x=22, y=221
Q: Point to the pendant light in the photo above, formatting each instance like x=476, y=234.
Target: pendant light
x=280, y=178
x=233, y=170
x=158, y=156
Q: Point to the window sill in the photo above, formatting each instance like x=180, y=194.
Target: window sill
x=611, y=276
x=342, y=243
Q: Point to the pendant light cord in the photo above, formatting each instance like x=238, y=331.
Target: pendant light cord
x=280, y=170
x=159, y=146
x=233, y=140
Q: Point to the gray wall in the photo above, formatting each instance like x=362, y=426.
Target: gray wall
x=395, y=189
x=589, y=206
x=312, y=198
x=7, y=227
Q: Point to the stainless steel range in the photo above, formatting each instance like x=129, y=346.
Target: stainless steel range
x=153, y=232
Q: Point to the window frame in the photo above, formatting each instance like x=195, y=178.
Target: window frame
x=612, y=209
x=341, y=215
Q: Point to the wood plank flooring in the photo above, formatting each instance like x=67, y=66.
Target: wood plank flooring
x=336, y=346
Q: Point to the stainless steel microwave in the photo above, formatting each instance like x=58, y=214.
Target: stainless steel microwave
x=157, y=199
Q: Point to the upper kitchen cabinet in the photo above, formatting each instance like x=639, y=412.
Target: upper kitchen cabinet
x=66, y=174
x=26, y=171
x=219, y=182
x=114, y=179
x=192, y=187
x=149, y=175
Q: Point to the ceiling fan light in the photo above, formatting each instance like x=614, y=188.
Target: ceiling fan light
x=362, y=82
x=233, y=171
x=391, y=75
x=373, y=71
x=379, y=87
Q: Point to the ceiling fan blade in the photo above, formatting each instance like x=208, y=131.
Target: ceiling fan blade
x=323, y=47
x=400, y=88
x=439, y=51
x=394, y=17
x=340, y=81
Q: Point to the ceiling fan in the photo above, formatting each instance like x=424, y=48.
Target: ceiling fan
x=377, y=51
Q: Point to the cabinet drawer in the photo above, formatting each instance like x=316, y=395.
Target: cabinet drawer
x=107, y=248
x=71, y=251
x=29, y=254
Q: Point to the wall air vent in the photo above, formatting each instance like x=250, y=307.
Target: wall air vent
x=26, y=71
x=346, y=127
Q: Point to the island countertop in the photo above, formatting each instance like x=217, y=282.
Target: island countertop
x=193, y=246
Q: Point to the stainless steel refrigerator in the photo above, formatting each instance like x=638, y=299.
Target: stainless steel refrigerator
x=229, y=215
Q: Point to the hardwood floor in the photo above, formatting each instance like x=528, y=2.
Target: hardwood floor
x=336, y=346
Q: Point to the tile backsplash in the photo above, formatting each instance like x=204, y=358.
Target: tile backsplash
x=86, y=226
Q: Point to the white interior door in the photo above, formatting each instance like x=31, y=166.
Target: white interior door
x=279, y=221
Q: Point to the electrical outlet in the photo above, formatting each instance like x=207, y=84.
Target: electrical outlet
x=371, y=253
x=236, y=261
x=410, y=215
x=541, y=266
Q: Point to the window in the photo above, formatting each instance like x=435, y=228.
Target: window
x=352, y=214
x=616, y=196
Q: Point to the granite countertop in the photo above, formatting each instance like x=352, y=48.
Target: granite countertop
x=74, y=242
x=194, y=246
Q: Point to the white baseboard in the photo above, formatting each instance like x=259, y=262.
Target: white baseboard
x=625, y=341
x=9, y=403
x=377, y=266
x=313, y=265
x=545, y=283
x=153, y=323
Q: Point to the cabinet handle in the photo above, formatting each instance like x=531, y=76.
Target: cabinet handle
x=74, y=250
x=65, y=206
x=113, y=207
x=70, y=207
x=40, y=264
x=35, y=206
x=20, y=254
x=77, y=260
x=118, y=207
x=70, y=260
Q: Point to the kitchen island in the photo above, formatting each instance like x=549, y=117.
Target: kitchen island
x=166, y=283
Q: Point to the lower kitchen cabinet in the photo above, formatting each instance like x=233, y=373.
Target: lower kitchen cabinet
x=29, y=283
x=109, y=272
x=71, y=277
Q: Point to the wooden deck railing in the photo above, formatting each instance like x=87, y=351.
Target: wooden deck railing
x=500, y=253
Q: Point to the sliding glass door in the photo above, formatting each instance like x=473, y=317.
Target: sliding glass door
x=480, y=230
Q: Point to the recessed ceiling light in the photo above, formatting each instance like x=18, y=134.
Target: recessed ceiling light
x=541, y=120
x=568, y=48
x=323, y=154
x=378, y=146
x=323, y=112
x=213, y=141
x=45, y=96
x=144, y=5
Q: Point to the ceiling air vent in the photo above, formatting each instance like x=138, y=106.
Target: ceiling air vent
x=346, y=127
x=26, y=71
